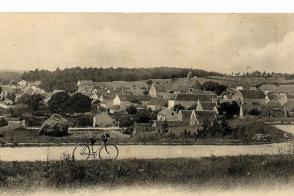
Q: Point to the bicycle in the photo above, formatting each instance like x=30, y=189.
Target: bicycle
x=83, y=151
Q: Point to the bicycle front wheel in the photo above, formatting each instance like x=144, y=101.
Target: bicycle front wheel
x=81, y=152
x=108, y=152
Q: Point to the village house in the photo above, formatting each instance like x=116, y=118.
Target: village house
x=134, y=90
x=187, y=100
x=206, y=106
x=288, y=89
x=188, y=116
x=85, y=86
x=249, y=96
x=103, y=120
x=6, y=90
x=273, y=109
x=156, y=104
x=273, y=97
x=267, y=88
x=203, y=116
x=22, y=84
x=159, y=91
x=106, y=100
x=124, y=100
x=174, y=127
x=13, y=84
x=289, y=108
x=167, y=115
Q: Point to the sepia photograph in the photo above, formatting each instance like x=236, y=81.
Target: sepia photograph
x=146, y=103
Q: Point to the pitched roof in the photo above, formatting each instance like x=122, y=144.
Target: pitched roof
x=285, y=89
x=159, y=88
x=6, y=88
x=192, y=97
x=169, y=114
x=165, y=111
x=185, y=114
x=102, y=116
x=85, y=83
x=289, y=105
x=108, y=96
x=207, y=105
x=270, y=87
x=252, y=94
x=200, y=92
x=125, y=97
x=158, y=101
x=276, y=97
x=273, y=104
x=290, y=96
x=201, y=115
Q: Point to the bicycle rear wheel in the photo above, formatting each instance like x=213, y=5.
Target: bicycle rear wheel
x=81, y=152
x=108, y=152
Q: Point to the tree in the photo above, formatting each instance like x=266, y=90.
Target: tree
x=131, y=109
x=214, y=86
x=197, y=85
x=32, y=101
x=254, y=112
x=189, y=75
x=59, y=103
x=178, y=107
x=143, y=116
x=229, y=109
x=173, y=76
x=149, y=82
x=79, y=103
x=126, y=121
x=11, y=96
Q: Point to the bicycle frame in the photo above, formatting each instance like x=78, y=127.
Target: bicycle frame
x=93, y=153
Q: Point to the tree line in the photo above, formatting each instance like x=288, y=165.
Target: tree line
x=66, y=79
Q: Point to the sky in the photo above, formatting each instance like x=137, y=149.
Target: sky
x=216, y=42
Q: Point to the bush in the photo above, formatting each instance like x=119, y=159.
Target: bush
x=131, y=109
x=126, y=121
x=83, y=121
x=3, y=122
x=254, y=112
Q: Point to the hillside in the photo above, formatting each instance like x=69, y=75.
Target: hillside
x=7, y=75
x=66, y=79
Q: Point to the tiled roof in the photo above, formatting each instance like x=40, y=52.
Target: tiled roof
x=103, y=116
x=252, y=94
x=201, y=115
x=289, y=105
x=273, y=104
x=285, y=89
x=208, y=105
x=86, y=82
x=193, y=97
x=270, y=87
x=290, y=96
x=125, y=97
x=157, y=101
x=159, y=88
x=6, y=88
x=185, y=114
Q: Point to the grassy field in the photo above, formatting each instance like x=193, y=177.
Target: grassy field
x=243, y=133
x=225, y=172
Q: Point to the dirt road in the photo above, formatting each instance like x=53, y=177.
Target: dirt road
x=147, y=151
